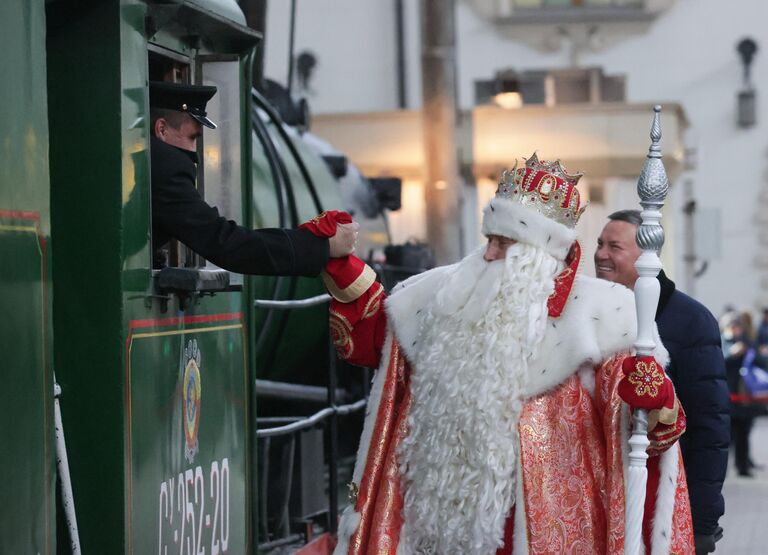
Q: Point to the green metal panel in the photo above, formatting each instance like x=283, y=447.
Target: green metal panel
x=27, y=523
x=224, y=8
x=280, y=355
x=187, y=409
x=84, y=91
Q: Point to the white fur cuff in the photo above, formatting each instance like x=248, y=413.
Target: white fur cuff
x=348, y=524
x=512, y=219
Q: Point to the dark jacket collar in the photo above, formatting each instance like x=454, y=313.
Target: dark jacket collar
x=667, y=288
x=157, y=146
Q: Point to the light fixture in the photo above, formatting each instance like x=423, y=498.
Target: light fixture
x=747, y=101
x=508, y=100
x=507, y=87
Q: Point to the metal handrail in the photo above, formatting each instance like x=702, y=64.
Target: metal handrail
x=311, y=421
x=395, y=268
x=330, y=413
x=295, y=391
x=288, y=305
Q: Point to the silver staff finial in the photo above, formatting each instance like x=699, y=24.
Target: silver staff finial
x=652, y=188
x=655, y=149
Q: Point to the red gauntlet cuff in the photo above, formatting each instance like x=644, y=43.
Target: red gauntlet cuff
x=645, y=385
x=665, y=426
x=358, y=328
x=347, y=278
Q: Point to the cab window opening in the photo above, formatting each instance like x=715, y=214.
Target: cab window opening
x=166, y=66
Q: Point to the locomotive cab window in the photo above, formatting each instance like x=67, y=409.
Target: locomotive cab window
x=221, y=175
x=218, y=172
x=167, y=66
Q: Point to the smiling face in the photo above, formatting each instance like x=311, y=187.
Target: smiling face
x=617, y=252
x=497, y=247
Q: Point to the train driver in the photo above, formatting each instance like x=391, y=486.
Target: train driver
x=178, y=211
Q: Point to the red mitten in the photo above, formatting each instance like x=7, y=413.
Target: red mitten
x=324, y=225
x=645, y=385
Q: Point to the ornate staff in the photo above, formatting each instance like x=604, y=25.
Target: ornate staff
x=652, y=187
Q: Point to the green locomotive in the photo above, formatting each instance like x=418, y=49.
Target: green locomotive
x=157, y=375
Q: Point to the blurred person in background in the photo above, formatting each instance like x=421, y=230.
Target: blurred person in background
x=740, y=353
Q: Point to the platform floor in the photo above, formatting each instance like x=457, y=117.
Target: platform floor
x=745, y=523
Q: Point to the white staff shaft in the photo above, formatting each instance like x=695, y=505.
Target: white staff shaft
x=652, y=189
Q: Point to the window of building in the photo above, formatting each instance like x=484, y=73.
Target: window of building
x=576, y=3
x=574, y=11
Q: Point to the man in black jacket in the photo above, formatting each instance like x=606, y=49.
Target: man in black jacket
x=178, y=211
x=692, y=336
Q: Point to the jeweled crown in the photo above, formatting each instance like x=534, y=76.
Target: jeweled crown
x=545, y=187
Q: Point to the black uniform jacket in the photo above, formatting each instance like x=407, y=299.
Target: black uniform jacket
x=178, y=211
x=691, y=335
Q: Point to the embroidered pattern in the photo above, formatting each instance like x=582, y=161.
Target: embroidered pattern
x=379, y=500
x=341, y=334
x=374, y=302
x=647, y=378
x=316, y=219
x=564, y=472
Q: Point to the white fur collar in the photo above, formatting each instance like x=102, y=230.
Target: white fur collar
x=598, y=321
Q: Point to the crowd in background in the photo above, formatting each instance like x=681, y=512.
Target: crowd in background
x=746, y=361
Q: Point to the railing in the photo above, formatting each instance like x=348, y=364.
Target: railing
x=292, y=427
x=298, y=423
x=390, y=275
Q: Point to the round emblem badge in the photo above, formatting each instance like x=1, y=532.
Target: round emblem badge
x=190, y=392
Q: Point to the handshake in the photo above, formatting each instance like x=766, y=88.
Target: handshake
x=339, y=228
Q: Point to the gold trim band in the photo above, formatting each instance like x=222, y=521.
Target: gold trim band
x=354, y=290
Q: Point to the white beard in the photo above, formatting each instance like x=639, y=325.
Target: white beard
x=458, y=461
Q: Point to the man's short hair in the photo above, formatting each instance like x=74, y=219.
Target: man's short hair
x=630, y=216
x=173, y=117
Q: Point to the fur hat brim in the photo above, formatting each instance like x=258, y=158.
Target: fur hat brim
x=511, y=219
